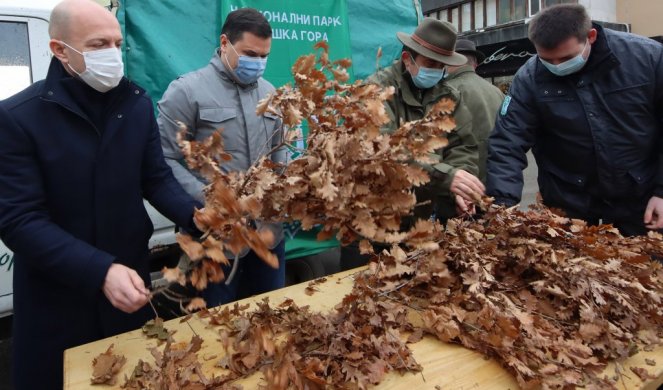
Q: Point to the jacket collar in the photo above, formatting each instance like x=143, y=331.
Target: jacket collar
x=55, y=89
x=57, y=78
x=222, y=70
x=460, y=71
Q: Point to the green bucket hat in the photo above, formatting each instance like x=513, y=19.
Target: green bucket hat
x=436, y=40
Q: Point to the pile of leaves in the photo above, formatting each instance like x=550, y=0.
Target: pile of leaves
x=177, y=367
x=552, y=299
x=341, y=181
x=352, y=347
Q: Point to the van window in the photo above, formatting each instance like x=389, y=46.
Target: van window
x=15, y=72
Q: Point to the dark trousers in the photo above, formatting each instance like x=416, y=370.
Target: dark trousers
x=253, y=277
x=305, y=268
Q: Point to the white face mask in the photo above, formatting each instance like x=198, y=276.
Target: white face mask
x=103, y=68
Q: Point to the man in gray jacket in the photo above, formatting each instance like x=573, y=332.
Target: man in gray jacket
x=224, y=94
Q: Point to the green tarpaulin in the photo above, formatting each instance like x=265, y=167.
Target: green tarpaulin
x=167, y=38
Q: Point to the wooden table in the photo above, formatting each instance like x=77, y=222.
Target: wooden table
x=445, y=365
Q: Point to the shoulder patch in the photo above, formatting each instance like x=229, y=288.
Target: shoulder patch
x=505, y=105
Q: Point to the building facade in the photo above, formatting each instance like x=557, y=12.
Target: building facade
x=639, y=15
x=499, y=28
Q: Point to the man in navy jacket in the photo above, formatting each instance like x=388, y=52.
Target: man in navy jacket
x=590, y=106
x=78, y=153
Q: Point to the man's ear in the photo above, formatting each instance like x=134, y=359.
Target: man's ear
x=408, y=61
x=57, y=48
x=223, y=41
x=592, y=35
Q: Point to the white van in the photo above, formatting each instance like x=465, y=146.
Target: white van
x=24, y=59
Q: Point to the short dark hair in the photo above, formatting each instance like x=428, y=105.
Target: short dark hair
x=558, y=23
x=246, y=20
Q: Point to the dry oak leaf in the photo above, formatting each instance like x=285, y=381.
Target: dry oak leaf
x=416, y=175
x=311, y=289
x=191, y=247
x=444, y=106
x=196, y=304
x=365, y=247
x=155, y=329
x=214, y=250
x=416, y=336
x=106, y=366
x=174, y=275
x=642, y=373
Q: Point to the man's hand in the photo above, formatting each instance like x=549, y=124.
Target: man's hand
x=125, y=289
x=654, y=213
x=464, y=207
x=467, y=186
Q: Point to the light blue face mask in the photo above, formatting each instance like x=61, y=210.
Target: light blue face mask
x=249, y=69
x=567, y=67
x=427, y=77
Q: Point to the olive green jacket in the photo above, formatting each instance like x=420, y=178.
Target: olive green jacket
x=483, y=100
x=410, y=103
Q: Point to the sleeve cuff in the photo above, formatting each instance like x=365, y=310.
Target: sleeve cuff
x=658, y=192
x=504, y=202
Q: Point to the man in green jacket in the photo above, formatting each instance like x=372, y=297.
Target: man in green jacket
x=482, y=99
x=418, y=81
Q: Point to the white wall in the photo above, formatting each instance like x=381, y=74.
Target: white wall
x=642, y=15
x=603, y=10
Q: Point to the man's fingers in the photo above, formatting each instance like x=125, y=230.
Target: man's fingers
x=476, y=184
x=131, y=300
x=460, y=202
x=471, y=210
x=649, y=213
x=466, y=191
x=467, y=185
x=656, y=223
x=125, y=289
x=653, y=217
x=138, y=282
x=119, y=301
x=136, y=292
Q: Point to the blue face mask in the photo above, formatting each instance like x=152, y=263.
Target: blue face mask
x=249, y=69
x=427, y=77
x=567, y=67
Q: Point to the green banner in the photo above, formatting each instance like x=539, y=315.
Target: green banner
x=297, y=25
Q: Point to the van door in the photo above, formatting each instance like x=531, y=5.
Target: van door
x=24, y=53
x=24, y=58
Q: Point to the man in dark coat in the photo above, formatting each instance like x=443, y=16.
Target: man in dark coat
x=78, y=153
x=590, y=106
